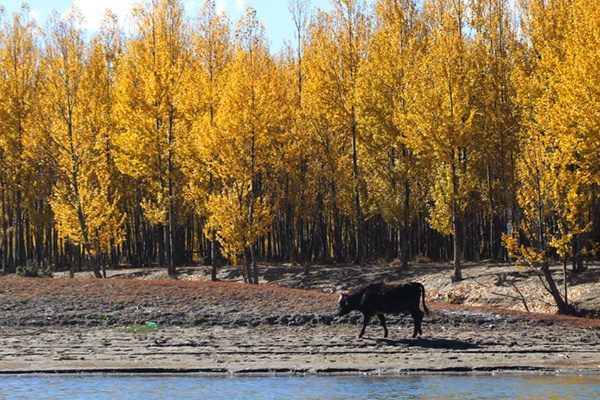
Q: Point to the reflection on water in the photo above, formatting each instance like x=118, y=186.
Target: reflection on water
x=330, y=387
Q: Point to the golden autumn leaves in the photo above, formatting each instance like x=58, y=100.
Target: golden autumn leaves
x=438, y=111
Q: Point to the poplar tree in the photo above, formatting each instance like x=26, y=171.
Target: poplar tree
x=73, y=125
x=556, y=182
x=575, y=119
x=494, y=51
x=19, y=63
x=211, y=55
x=298, y=199
x=444, y=112
x=248, y=122
x=336, y=56
x=100, y=86
x=153, y=77
x=392, y=167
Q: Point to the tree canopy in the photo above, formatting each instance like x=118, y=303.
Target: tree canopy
x=392, y=129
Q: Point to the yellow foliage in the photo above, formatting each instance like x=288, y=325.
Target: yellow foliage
x=152, y=109
x=237, y=222
x=75, y=109
x=241, y=143
x=434, y=110
x=556, y=177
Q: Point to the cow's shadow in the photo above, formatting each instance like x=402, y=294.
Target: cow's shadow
x=428, y=343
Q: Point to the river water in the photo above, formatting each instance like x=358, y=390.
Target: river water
x=314, y=387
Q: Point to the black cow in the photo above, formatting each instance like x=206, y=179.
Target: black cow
x=380, y=298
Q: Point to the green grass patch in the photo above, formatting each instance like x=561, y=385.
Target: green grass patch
x=140, y=329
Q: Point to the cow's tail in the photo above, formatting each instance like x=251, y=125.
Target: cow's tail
x=423, y=298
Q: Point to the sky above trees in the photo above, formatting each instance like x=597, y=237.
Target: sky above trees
x=274, y=14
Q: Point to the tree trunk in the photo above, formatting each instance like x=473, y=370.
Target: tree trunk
x=162, y=237
x=457, y=276
x=171, y=226
x=247, y=266
x=565, y=282
x=20, y=253
x=213, y=256
x=86, y=243
x=337, y=236
x=254, y=265
x=404, y=256
x=170, y=242
x=563, y=306
x=4, y=246
x=357, y=208
x=577, y=256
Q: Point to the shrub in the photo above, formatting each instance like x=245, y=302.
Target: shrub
x=33, y=270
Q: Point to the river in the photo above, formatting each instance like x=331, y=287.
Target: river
x=146, y=387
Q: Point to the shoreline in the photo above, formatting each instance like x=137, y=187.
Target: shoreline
x=297, y=351
x=516, y=371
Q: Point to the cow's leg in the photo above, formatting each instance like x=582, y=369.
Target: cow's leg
x=385, y=330
x=417, y=315
x=366, y=320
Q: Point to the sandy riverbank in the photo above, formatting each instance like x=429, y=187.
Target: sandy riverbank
x=319, y=349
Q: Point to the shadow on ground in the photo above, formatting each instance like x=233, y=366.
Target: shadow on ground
x=428, y=343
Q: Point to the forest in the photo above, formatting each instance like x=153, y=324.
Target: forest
x=396, y=130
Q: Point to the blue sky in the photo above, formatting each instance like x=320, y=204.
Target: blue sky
x=273, y=14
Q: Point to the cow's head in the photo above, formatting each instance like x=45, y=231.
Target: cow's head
x=345, y=305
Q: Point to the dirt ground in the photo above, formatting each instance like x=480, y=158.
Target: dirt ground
x=286, y=324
